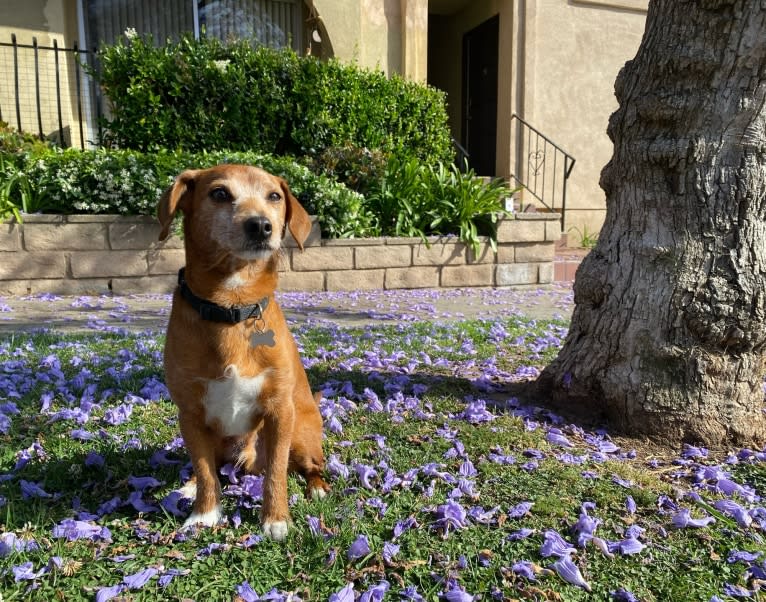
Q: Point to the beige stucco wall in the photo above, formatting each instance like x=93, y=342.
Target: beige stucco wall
x=390, y=35
x=574, y=51
x=558, y=60
x=47, y=21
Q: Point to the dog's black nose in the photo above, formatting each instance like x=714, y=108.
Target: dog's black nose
x=258, y=228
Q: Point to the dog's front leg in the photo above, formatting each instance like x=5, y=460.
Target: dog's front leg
x=200, y=443
x=277, y=433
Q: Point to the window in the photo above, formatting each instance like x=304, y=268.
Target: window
x=275, y=23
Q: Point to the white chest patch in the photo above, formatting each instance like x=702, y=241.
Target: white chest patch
x=233, y=400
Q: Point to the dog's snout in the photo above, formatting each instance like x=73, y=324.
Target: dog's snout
x=258, y=228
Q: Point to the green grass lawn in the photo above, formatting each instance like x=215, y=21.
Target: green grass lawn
x=444, y=485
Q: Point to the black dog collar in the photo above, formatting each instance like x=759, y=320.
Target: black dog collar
x=218, y=313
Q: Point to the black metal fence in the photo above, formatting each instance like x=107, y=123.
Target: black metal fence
x=541, y=166
x=45, y=90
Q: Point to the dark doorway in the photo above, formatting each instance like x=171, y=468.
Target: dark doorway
x=480, y=49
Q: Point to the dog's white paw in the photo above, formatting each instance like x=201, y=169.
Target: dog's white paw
x=276, y=530
x=317, y=493
x=206, y=519
x=189, y=491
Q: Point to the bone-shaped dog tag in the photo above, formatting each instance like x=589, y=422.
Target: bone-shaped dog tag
x=262, y=338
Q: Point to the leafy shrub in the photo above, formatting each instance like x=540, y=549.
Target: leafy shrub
x=468, y=206
x=131, y=182
x=415, y=200
x=360, y=169
x=13, y=141
x=204, y=95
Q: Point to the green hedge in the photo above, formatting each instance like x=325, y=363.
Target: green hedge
x=130, y=182
x=203, y=95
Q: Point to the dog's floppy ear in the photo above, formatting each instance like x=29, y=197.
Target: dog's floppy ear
x=173, y=199
x=298, y=220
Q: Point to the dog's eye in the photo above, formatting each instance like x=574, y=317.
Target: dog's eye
x=220, y=194
x=275, y=196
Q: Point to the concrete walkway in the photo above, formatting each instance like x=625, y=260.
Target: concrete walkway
x=150, y=312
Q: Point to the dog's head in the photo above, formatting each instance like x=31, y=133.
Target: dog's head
x=239, y=210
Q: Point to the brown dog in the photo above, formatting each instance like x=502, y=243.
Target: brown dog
x=231, y=364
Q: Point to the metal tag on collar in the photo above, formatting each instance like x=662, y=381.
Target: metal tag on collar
x=262, y=337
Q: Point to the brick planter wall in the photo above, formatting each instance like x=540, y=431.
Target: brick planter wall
x=94, y=254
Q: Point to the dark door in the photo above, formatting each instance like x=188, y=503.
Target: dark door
x=480, y=50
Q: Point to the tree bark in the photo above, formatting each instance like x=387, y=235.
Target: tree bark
x=669, y=327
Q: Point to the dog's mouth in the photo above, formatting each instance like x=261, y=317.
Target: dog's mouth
x=255, y=250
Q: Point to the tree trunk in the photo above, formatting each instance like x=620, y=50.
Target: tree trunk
x=667, y=337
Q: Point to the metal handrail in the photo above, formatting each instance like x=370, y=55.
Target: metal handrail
x=532, y=174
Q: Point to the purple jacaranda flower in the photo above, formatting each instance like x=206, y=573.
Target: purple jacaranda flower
x=81, y=435
x=665, y=504
x=168, y=575
x=476, y=412
x=449, y=517
x=171, y=501
x=209, y=549
x=691, y=452
x=456, y=593
x=93, y=459
x=107, y=593
x=520, y=534
x=525, y=569
x=456, y=451
x=585, y=526
x=570, y=573
x=246, y=592
x=623, y=595
x=137, y=501
x=107, y=507
x=683, y=519
x=160, y=458
x=139, y=579
x=358, y=549
x=411, y=593
x=627, y=546
x=74, y=529
x=555, y=545
x=404, y=525
x=520, y=509
x=737, y=512
x=390, y=550
x=376, y=593
x=9, y=542
x=630, y=505
x=467, y=469
x=142, y=483
x=498, y=457
x=122, y=558
x=250, y=541
x=737, y=556
x=365, y=474
x=737, y=591
x=344, y=595
x=314, y=525
x=618, y=480
x=32, y=490
x=26, y=572
x=730, y=488
x=556, y=437
x=480, y=515
x=119, y=414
